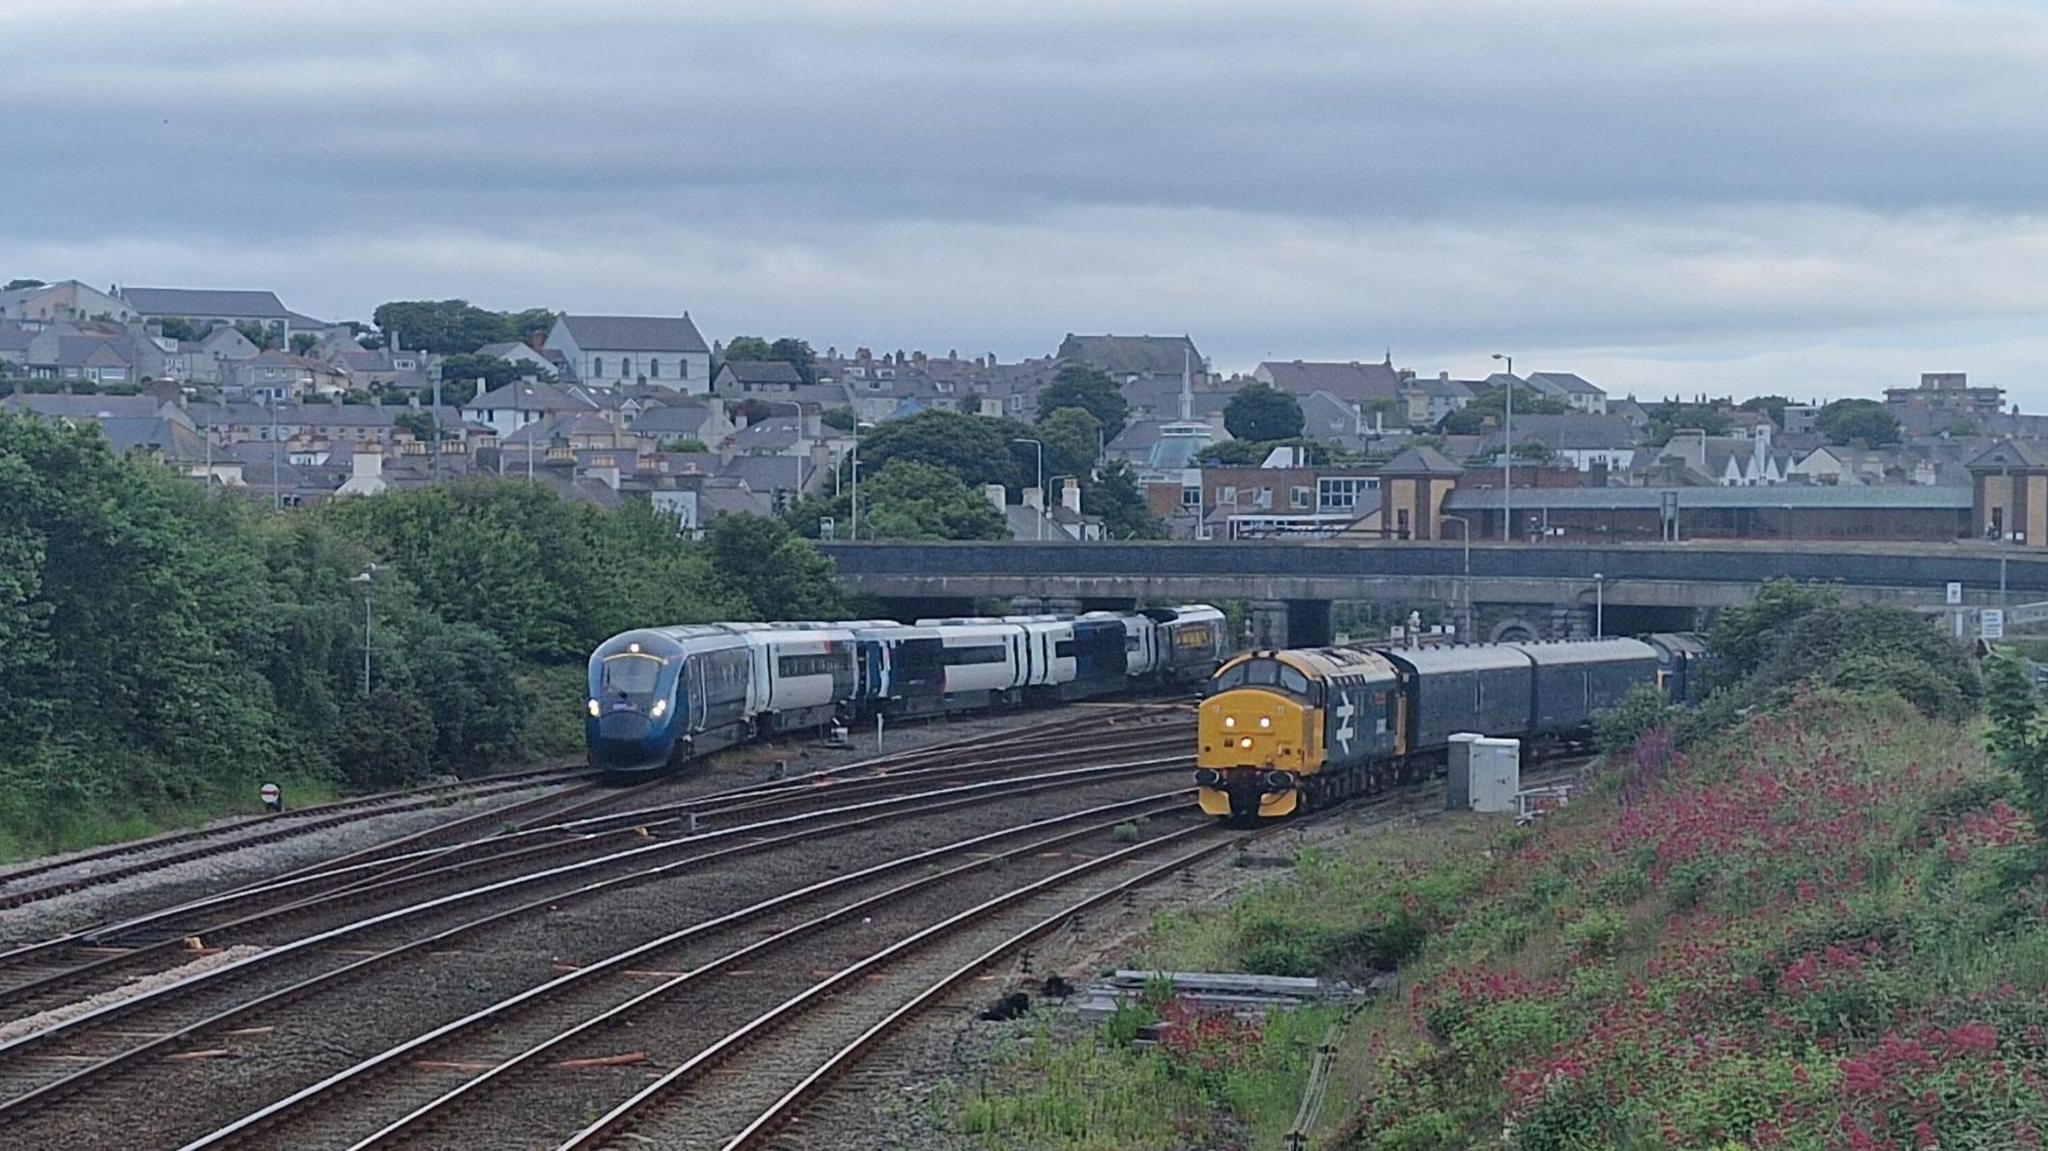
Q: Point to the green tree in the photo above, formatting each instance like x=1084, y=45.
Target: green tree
x=780, y=574
x=746, y=350
x=1113, y=493
x=1489, y=406
x=257, y=334
x=459, y=375
x=1079, y=386
x=976, y=449
x=1069, y=435
x=798, y=354
x=455, y=327
x=180, y=328
x=420, y=424
x=302, y=342
x=1261, y=413
x=1772, y=406
x=18, y=284
x=841, y=418
x=906, y=500
x=1670, y=417
x=685, y=444
x=2017, y=739
x=1866, y=420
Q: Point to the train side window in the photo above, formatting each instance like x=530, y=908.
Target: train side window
x=1228, y=678
x=1293, y=681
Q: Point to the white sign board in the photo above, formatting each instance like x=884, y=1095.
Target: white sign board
x=1991, y=623
x=1955, y=594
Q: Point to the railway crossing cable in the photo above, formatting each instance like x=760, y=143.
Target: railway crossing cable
x=357, y=1076
x=621, y=1117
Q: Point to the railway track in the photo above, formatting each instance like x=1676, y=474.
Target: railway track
x=74, y=1053
x=453, y=1082
x=121, y=861
x=56, y=971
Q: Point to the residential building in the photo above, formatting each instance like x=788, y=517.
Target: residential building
x=767, y=377
x=611, y=351
x=209, y=306
x=1128, y=358
x=505, y=410
x=276, y=375
x=67, y=300
x=1364, y=385
x=1431, y=399
x=1575, y=390
x=1587, y=442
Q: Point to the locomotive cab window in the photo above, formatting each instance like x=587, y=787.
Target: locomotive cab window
x=1266, y=673
x=631, y=674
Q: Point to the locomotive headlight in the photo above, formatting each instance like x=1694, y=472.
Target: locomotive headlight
x=1230, y=721
x=1247, y=742
x=1265, y=721
x=592, y=708
x=659, y=709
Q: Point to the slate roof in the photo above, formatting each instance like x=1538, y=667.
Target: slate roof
x=1421, y=460
x=1562, y=384
x=766, y=473
x=1133, y=355
x=2010, y=454
x=206, y=302
x=635, y=333
x=672, y=420
x=174, y=441
x=1573, y=432
x=771, y=434
x=61, y=407
x=778, y=372
x=520, y=396
x=1352, y=382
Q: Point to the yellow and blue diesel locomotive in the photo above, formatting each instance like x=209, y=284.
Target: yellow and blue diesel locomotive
x=1281, y=730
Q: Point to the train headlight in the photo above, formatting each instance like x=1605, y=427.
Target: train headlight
x=659, y=709
x=1245, y=742
x=1265, y=721
x=1230, y=721
x=592, y=708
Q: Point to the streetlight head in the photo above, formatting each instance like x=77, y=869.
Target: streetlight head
x=1498, y=356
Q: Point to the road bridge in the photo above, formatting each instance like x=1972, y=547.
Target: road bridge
x=1496, y=590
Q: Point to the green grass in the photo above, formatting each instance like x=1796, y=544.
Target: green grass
x=28, y=835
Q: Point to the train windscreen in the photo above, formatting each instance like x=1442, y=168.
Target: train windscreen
x=1266, y=673
x=633, y=675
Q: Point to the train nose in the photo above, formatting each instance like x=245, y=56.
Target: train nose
x=622, y=727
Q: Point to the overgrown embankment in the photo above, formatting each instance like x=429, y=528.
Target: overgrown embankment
x=163, y=651
x=1824, y=925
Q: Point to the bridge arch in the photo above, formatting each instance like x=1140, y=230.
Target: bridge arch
x=1514, y=629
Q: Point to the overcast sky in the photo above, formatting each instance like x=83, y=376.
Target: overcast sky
x=1792, y=195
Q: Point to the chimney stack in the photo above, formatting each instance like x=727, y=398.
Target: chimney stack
x=1034, y=498
x=997, y=495
x=1070, y=495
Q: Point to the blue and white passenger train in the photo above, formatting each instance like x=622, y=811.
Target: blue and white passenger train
x=661, y=696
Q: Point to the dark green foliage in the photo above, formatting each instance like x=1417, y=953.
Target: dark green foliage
x=1865, y=420
x=2018, y=741
x=1772, y=406
x=779, y=575
x=385, y=741
x=1489, y=406
x=788, y=349
x=1673, y=416
x=1113, y=493
x=459, y=374
x=1261, y=413
x=976, y=449
x=303, y=342
x=1079, y=386
x=1794, y=634
x=840, y=418
x=1252, y=453
x=257, y=334
x=685, y=444
x=457, y=327
x=16, y=284
x=1642, y=709
x=905, y=500
x=1069, y=435
x=162, y=651
x=180, y=328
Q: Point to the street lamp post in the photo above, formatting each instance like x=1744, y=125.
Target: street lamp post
x=854, y=527
x=1040, y=445
x=367, y=579
x=1465, y=585
x=1507, y=452
x=1599, y=606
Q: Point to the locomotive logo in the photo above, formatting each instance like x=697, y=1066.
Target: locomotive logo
x=1347, y=728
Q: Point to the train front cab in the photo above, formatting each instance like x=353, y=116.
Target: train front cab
x=1258, y=735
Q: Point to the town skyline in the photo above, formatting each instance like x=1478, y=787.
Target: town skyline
x=1722, y=200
